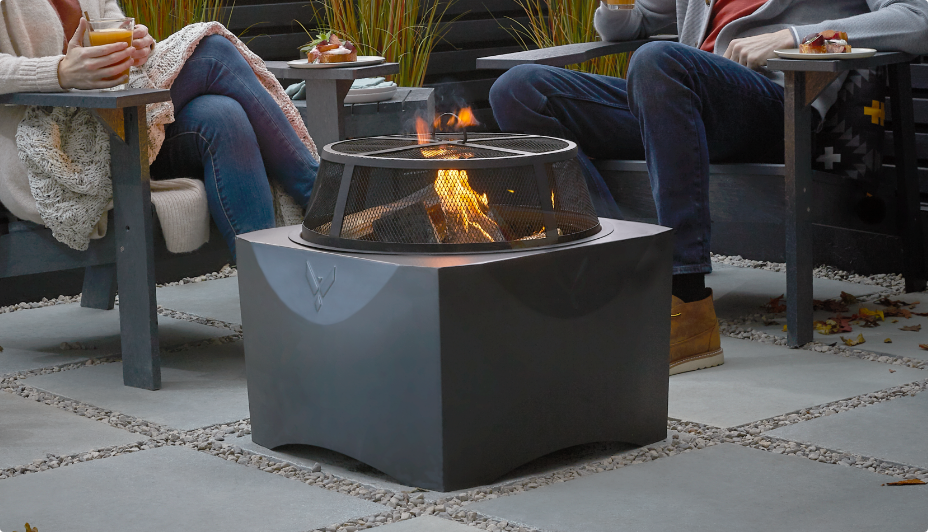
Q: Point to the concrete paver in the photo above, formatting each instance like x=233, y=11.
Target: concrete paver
x=170, y=488
x=200, y=387
x=718, y=489
x=744, y=291
x=759, y=381
x=32, y=339
x=426, y=523
x=29, y=430
x=216, y=299
x=894, y=430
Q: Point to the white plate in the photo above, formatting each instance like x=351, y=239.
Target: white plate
x=855, y=53
x=370, y=97
x=372, y=90
x=363, y=60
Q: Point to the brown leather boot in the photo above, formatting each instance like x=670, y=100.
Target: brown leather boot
x=694, y=336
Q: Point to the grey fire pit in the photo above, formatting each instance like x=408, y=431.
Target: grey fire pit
x=447, y=370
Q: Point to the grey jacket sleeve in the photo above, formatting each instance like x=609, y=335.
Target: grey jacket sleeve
x=645, y=19
x=892, y=25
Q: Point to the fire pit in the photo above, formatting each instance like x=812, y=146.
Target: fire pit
x=452, y=308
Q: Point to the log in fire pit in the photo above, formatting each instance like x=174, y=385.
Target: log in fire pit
x=452, y=308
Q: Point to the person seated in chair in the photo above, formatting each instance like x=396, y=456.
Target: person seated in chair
x=705, y=98
x=227, y=129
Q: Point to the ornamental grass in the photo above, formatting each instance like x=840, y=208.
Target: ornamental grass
x=164, y=17
x=558, y=22
x=402, y=31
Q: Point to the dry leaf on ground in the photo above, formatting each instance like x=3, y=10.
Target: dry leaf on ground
x=848, y=299
x=831, y=305
x=776, y=305
x=864, y=311
x=923, y=346
x=888, y=341
x=911, y=328
x=907, y=482
x=854, y=341
x=892, y=371
x=1, y=348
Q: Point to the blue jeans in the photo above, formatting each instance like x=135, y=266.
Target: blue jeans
x=232, y=134
x=679, y=108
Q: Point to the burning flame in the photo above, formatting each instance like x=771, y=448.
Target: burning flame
x=464, y=207
x=423, y=131
x=456, y=121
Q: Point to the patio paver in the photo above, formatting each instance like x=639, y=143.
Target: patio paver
x=759, y=381
x=217, y=299
x=744, y=291
x=719, y=489
x=200, y=387
x=170, y=488
x=32, y=339
x=426, y=523
x=29, y=430
x=894, y=430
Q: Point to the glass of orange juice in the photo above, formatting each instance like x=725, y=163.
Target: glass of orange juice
x=614, y=5
x=112, y=30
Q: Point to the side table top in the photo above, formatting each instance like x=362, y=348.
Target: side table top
x=93, y=99
x=838, y=65
x=282, y=70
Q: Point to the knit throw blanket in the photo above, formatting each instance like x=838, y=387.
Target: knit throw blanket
x=67, y=153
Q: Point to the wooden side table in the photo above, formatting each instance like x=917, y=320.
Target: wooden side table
x=122, y=113
x=805, y=80
x=326, y=89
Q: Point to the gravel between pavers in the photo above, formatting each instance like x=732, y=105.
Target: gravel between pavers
x=893, y=282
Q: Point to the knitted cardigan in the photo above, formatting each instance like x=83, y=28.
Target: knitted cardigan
x=60, y=177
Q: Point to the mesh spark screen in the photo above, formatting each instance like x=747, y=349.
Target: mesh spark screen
x=503, y=205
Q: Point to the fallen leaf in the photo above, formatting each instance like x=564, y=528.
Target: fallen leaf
x=895, y=321
x=831, y=305
x=864, y=311
x=784, y=328
x=907, y=482
x=888, y=341
x=853, y=341
x=923, y=346
x=901, y=312
x=848, y=299
x=1, y=348
x=776, y=305
x=834, y=325
x=892, y=371
x=911, y=328
x=833, y=344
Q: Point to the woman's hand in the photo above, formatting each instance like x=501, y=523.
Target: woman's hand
x=93, y=67
x=753, y=52
x=142, y=44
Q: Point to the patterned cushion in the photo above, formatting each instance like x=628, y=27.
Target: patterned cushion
x=850, y=143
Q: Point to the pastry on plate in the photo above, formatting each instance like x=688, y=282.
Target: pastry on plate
x=329, y=48
x=825, y=42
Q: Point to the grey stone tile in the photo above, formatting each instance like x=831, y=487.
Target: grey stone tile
x=759, y=381
x=349, y=468
x=32, y=339
x=895, y=430
x=724, y=488
x=170, y=488
x=29, y=430
x=744, y=291
x=200, y=387
x=904, y=343
x=210, y=299
x=426, y=523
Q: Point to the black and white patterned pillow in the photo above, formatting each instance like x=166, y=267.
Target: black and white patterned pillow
x=850, y=142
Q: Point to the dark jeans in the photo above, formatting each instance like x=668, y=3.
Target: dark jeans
x=680, y=108
x=232, y=134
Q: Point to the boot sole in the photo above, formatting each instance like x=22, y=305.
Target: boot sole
x=702, y=361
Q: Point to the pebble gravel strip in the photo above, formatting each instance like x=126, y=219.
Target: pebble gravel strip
x=178, y=315
x=894, y=282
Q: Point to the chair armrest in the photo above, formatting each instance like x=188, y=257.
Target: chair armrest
x=568, y=54
x=839, y=65
x=89, y=99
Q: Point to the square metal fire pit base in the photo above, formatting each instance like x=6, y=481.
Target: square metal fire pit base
x=447, y=371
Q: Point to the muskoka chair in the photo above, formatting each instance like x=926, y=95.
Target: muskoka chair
x=125, y=256
x=805, y=80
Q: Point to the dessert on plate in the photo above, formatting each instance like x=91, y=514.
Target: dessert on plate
x=825, y=42
x=329, y=48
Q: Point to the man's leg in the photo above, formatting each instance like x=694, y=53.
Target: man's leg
x=587, y=109
x=693, y=107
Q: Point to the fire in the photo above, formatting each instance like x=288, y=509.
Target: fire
x=464, y=208
x=457, y=121
x=423, y=131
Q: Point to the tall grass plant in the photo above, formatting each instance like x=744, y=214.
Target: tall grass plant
x=558, y=22
x=164, y=17
x=403, y=31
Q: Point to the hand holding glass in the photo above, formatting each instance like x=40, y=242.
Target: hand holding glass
x=110, y=31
